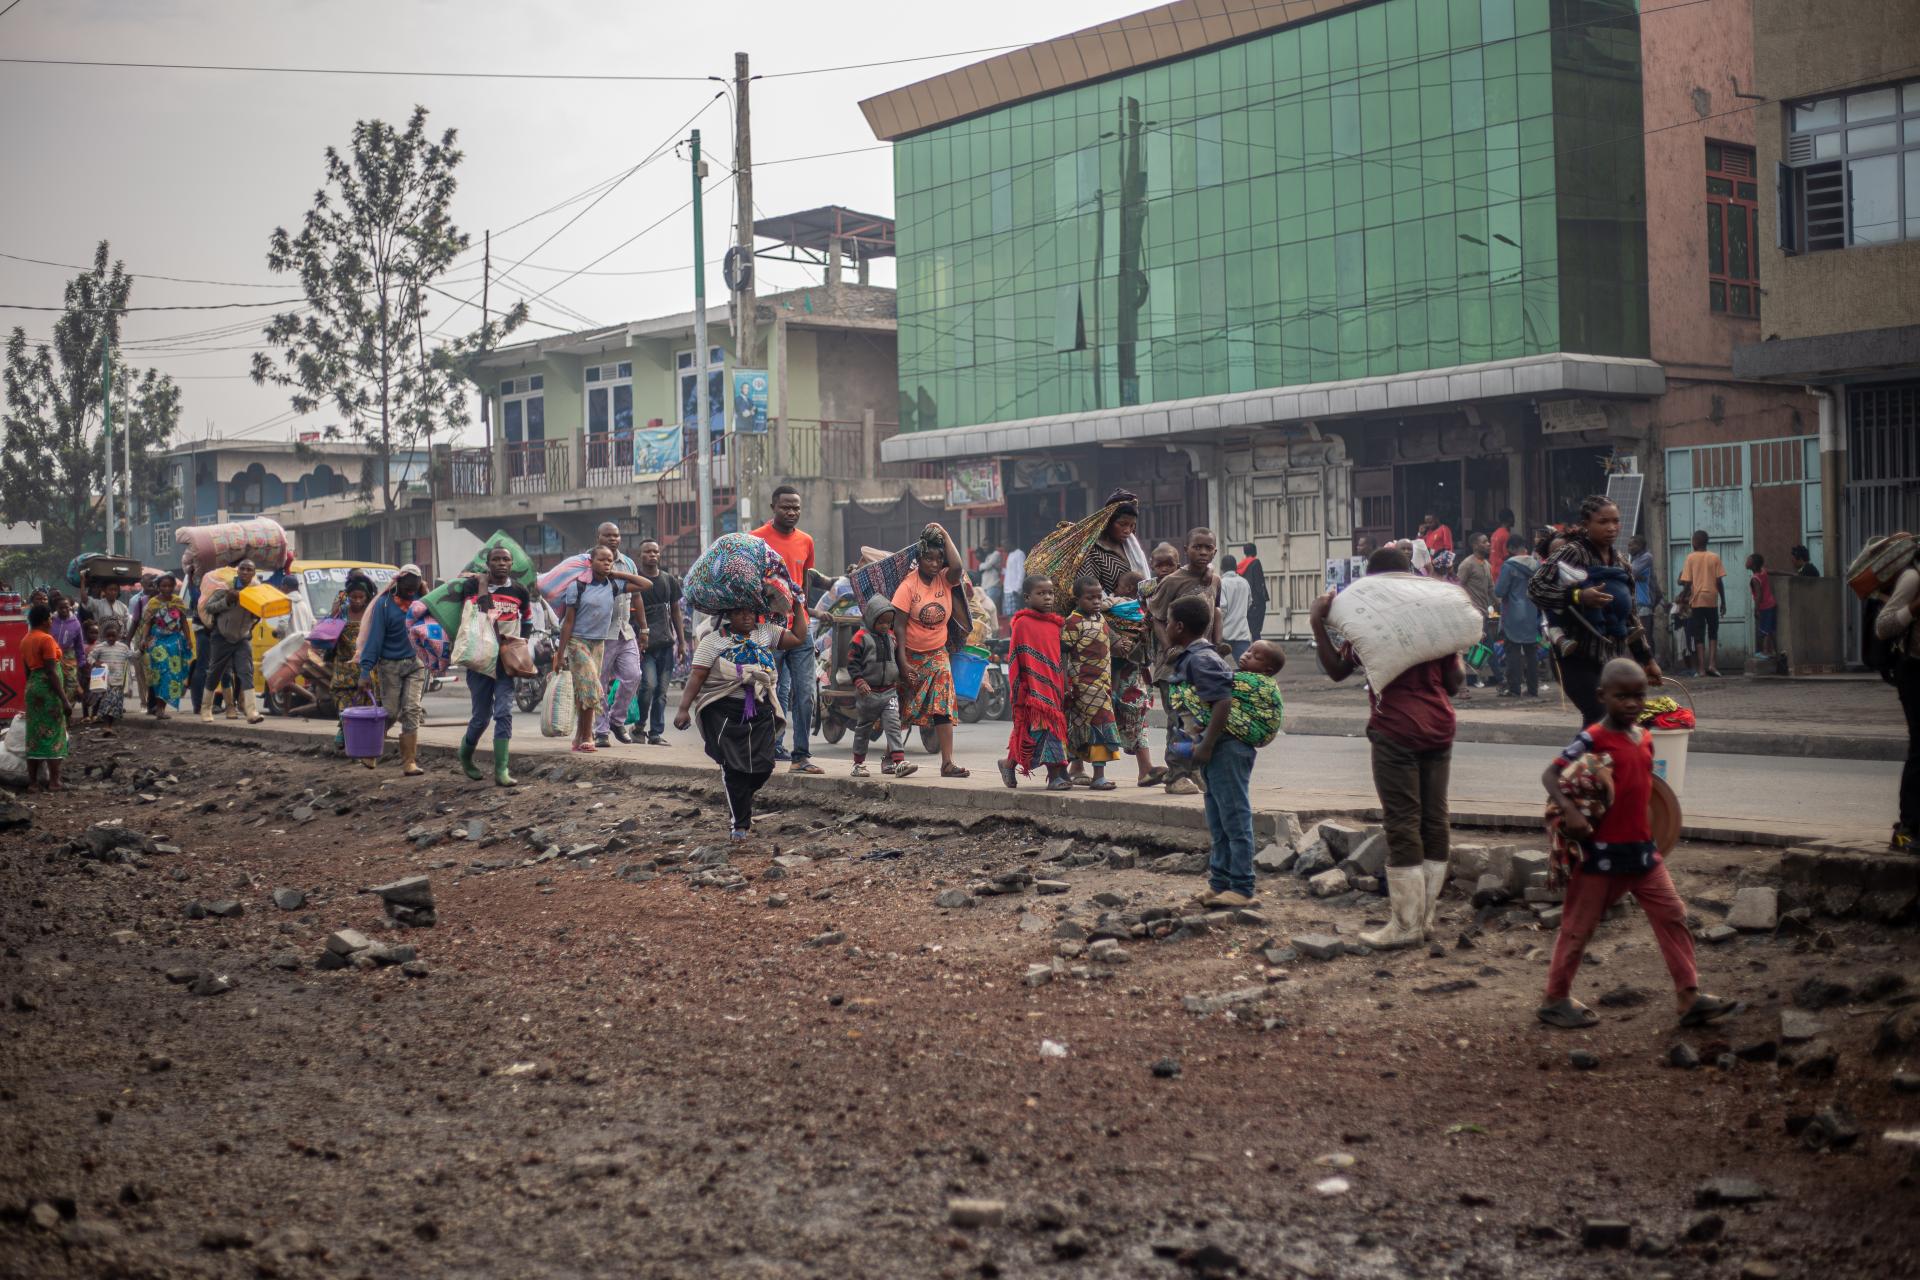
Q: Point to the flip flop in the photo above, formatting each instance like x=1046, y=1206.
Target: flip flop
x=1080, y=779
x=1156, y=776
x=1006, y=773
x=954, y=771
x=1570, y=1016
x=1707, y=1009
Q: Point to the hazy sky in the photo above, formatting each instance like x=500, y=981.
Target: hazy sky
x=188, y=172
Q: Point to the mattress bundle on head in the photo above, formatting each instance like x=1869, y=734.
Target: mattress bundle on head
x=210, y=546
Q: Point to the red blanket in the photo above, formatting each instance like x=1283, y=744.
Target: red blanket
x=1039, y=684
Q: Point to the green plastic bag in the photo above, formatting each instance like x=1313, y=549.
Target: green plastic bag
x=446, y=610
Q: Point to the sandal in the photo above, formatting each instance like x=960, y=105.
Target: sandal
x=954, y=771
x=1059, y=784
x=1155, y=777
x=585, y=748
x=1707, y=1009
x=1006, y=774
x=1079, y=780
x=1101, y=784
x=1567, y=1014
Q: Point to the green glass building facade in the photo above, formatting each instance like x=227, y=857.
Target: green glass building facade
x=1412, y=185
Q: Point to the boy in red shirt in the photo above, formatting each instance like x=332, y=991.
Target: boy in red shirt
x=1616, y=855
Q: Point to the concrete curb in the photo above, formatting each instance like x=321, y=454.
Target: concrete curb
x=1079, y=812
x=1737, y=742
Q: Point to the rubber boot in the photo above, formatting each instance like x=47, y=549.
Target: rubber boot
x=1436, y=873
x=466, y=759
x=410, y=755
x=501, y=748
x=206, y=712
x=1407, y=893
x=249, y=700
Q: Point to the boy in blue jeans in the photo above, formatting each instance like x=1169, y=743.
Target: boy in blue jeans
x=1225, y=763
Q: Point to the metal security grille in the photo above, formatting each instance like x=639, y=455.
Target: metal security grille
x=1883, y=471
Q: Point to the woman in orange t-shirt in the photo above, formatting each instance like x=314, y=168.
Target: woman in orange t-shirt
x=48, y=709
x=921, y=606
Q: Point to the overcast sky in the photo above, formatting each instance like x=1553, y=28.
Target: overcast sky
x=188, y=172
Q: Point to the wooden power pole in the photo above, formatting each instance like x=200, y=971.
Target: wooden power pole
x=743, y=188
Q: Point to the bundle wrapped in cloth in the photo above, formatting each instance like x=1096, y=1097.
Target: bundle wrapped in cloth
x=1398, y=620
x=209, y=546
x=446, y=609
x=736, y=572
x=1060, y=554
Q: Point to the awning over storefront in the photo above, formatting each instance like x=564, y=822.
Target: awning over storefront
x=1532, y=376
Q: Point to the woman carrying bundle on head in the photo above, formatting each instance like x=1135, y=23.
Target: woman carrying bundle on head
x=732, y=688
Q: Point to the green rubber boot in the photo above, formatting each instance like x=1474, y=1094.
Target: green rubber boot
x=501, y=778
x=466, y=759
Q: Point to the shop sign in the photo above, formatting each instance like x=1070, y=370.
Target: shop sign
x=1565, y=417
x=974, y=483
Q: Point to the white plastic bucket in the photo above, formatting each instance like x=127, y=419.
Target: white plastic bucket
x=1670, y=757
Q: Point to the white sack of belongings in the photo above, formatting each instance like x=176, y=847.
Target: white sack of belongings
x=1397, y=620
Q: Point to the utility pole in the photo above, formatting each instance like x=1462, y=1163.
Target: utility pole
x=486, y=279
x=703, y=437
x=106, y=409
x=743, y=188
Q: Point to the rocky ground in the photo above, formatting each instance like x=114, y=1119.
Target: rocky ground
x=599, y=1041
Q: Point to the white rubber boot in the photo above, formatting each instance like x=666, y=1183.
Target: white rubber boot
x=1436, y=873
x=1407, y=894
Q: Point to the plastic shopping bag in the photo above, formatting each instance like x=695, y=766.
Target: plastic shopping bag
x=477, y=646
x=557, y=716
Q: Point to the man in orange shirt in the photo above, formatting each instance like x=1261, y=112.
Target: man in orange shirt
x=797, y=675
x=1700, y=587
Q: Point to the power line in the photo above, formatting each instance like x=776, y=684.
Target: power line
x=142, y=275
x=9, y=9
x=625, y=77
x=203, y=306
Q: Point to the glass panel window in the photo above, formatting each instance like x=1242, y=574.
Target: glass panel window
x=1852, y=156
x=1870, y=106
x=1873, y=199
x=1816, y=115
x=1732, y=226
x=1873, y=137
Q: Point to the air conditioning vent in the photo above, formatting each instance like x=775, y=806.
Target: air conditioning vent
x=1799, y=149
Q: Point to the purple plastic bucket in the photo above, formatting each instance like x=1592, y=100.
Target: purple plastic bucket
x=365, y=731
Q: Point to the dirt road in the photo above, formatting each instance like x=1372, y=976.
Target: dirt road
x=610, y=1070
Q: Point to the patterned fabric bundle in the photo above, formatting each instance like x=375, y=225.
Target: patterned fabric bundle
x=430, y=642
x=733, y=573
x=1588, y=782
x=883, y=577
x=1060, y=553
x=1253, y=716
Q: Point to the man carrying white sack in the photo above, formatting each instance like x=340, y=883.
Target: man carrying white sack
x=1411, y=730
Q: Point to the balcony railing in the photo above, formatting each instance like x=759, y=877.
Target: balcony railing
x=799, y=449
x=837, y=450
x=606, y=461
x=470, y=473
x=539, y=466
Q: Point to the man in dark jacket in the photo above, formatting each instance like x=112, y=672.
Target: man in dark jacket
x=1256, y=576
x=874, y=665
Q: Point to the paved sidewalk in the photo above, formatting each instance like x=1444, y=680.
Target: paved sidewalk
x=1852, y=717
x=1755, y=800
